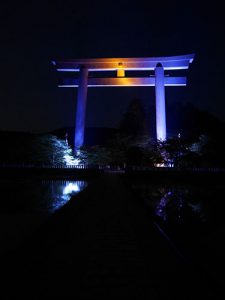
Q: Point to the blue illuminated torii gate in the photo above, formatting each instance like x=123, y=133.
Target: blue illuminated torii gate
x=120, y=65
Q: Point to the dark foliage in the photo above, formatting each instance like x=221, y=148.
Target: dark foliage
x=26, y=148
x=134, y=120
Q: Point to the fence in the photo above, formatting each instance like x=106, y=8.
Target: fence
x=113, y=168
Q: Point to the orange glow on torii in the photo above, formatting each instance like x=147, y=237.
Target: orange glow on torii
x=120, y=66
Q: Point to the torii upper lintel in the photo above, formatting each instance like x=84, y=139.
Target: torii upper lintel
x=120, y=65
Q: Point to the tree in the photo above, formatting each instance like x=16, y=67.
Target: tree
x=27, y=148
x=95, y=155
x=210, y=150
x=48, y=149
x=134, y=120
x=123, y=150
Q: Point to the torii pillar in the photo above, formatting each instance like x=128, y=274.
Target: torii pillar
x=160, y=103
x=81, y=108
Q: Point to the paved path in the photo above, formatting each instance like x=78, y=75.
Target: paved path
x=102, y=244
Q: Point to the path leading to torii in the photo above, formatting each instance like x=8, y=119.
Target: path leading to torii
x=102, y=244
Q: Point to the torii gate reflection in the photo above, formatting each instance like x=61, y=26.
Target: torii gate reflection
x=120, y=65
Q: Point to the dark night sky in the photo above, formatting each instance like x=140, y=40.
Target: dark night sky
x=32, y=33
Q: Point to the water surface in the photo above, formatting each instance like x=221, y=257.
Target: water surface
x=27, y=204
x=192, y=217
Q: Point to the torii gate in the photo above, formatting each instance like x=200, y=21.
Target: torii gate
x=120, y=65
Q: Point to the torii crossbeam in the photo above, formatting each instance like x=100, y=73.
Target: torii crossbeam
x=120, y=65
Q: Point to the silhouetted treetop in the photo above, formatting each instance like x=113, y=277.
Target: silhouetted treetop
x=134, y=120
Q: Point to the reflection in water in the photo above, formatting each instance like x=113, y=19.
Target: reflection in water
x=175, y=204
x=160, y=208
x=191, y=216
x=172, y=203
x=37, y=196
x=26, y=204
x=61, y=192
x=71, y=187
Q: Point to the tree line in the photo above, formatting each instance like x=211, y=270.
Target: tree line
x=131, y=144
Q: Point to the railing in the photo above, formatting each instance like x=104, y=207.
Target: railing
x=113, y=168
x=43, y=166
x=174, y=169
